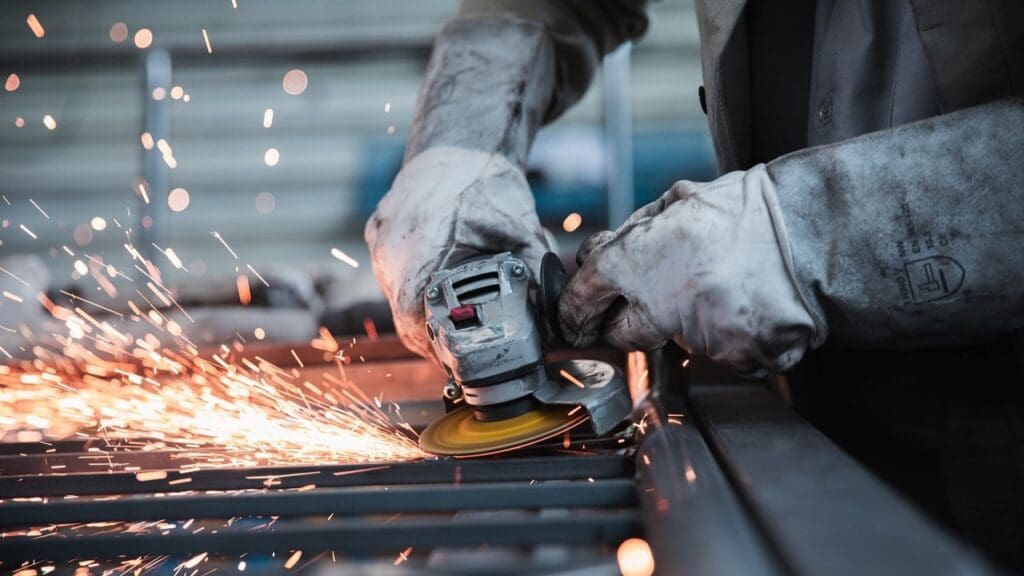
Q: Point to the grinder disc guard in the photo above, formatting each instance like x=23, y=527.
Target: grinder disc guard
x=458, y=433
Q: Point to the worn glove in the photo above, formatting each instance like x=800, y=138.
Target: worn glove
x=462, y=191
x=447, y=205
x=706, y=265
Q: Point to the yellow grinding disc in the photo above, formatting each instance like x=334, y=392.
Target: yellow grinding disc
x=458, y=433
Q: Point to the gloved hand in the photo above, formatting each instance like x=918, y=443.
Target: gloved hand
x=446, y=205
x=706, y=265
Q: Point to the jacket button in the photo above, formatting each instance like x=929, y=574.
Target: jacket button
x=703, y=99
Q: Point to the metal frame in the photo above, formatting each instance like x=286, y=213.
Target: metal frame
x=722, y=478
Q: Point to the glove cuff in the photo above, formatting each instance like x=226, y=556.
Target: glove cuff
x=771, y=201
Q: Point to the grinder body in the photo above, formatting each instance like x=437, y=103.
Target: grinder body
x=489, y=322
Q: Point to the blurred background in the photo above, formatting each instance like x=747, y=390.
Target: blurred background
x=252, y=138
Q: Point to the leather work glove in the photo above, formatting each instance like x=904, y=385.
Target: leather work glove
x=447, y=205
x=706, y=265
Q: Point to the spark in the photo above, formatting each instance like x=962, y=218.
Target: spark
x=244, y=293
x=76, y=297
x=98, y=223
x=572, y=222
x=13, y=275
x=19, y=122
x=564, y=374
x=151, y=476
x=337, y=253
x=27, y=231
x=241, y=565
x=13, y=297
x=293, y=560
x=118, y=32
x=41, y=211
x=142, y=190
x=178, y=199
x=35, y=26
x=295, y=82
x=159, y=93
x=49, y=122
x=195, y=560
x=635, y=557
x=222, y=241
x=177, y=92
x=257, y=274
x=387, y=107
x=403, y=556
x=143, y=38
x=206, y=39
x=268, y=117
x=686, y=362
x=12, y=83
x=271, y=157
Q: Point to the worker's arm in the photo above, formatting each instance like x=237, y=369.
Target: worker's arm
x=498, y=70
x=908, y=236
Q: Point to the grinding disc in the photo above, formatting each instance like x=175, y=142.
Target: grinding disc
x=458, y=433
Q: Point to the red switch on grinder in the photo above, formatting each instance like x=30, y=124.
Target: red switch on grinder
x=463, y=313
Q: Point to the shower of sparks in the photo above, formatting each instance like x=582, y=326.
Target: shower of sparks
x=35, y=26
x=206, y=39
x=344, y=257
x=137, y=379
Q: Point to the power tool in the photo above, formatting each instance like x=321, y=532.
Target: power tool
x=490, y=323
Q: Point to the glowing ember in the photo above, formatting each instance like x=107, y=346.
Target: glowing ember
x=295, y=82
x=635, y=558
x=271, y=157
x=572, y=222
x=143, y=38
x=118, y=32
x=35, y=26
x=178, y=199
x=293, y=560
x=12, y=83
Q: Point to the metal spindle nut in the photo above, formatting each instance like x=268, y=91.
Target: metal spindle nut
x=518, y=270
x=452, y=390
x=433, y=293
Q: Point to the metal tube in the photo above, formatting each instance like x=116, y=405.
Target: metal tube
x=322, y=501
x=352, y=535
x=419, y=472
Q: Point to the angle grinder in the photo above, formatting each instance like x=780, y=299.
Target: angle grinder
x=490, y=323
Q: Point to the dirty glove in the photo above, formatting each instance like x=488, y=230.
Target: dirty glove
x=445, y=206
x=904, y=237
x=704, y=265
x=462, y=191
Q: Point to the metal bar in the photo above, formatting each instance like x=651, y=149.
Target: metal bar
x=418, y=472
x=354, y=535
x=824, y=512
x=341, y=501
x=694, y=521
x=156, y=75
x=83, y=462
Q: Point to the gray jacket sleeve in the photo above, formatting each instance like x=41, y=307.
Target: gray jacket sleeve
x=501, y=68
x=912, y=235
